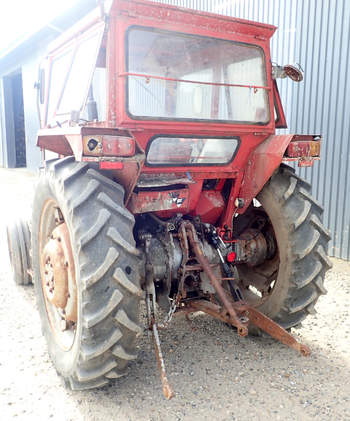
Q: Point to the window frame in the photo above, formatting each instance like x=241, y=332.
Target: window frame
x=72, y=48
x=190, y=136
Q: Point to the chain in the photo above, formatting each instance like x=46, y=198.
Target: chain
x=169, y=316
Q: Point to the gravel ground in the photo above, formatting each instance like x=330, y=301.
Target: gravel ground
x=215, y=374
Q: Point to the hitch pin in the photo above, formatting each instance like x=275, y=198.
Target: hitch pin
x=220, y=255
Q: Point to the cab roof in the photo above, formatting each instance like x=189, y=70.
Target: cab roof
x=145, y=10
x=189, y=17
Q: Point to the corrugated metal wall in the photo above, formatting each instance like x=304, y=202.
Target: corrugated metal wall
x=316, y=34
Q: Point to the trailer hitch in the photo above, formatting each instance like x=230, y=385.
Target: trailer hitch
x=237, y=313
x=252, y=316
x=233, y=311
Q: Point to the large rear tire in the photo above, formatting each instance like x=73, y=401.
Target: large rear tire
x=287, y=285
x=99, y=344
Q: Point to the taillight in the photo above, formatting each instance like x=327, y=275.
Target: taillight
x=231, y=257
x=118, y=146
x=303, y=148
x=107, y=145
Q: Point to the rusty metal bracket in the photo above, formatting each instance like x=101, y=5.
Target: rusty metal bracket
x=275, y=330
x=252, y=316
x=236, y=313
x=195, y=243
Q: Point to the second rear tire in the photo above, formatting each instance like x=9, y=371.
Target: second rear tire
x=294, y=274
x=18, y=240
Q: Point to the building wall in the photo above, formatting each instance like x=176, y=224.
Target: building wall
x=2, y=126
x=28, y=66
x=8, y=154
x=26, y=57
x=315, y=34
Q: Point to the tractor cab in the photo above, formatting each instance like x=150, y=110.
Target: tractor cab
x=143, y=65
x=154, y=64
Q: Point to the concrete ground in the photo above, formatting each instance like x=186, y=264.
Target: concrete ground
x=215, y=374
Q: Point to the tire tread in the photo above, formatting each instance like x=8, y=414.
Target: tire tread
x=308, y=239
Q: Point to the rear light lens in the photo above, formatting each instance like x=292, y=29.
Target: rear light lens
x=107, y=145
x=231, y=257
x=303, y=148
x=118, y=146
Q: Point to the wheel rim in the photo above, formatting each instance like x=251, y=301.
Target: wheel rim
x=257, y=283
x=57, y=270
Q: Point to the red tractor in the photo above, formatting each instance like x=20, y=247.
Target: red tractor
x=171, y=186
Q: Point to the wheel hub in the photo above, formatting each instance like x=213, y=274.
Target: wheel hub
x=254, y=246
x=59, y=283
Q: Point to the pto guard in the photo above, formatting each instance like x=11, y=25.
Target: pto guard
x=267, y=157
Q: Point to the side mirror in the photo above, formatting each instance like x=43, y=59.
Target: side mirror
x=40, y=86
x=280, y=72
x=293, y=73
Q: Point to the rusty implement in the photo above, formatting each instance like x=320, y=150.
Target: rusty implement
x=275, y=330
x=237, y=313
x=252, y=316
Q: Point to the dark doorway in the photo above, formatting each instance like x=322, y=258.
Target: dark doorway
x=18, y=119
x=14, y=115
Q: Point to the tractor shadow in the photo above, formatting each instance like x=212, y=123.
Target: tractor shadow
x=209, y=367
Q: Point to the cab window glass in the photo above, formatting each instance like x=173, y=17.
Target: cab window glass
x=76, y=89
x=59, y=70
x=72, y=74
x=190, y=77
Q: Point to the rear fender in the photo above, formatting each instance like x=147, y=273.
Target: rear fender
x=262, y=163
x=125, y=167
